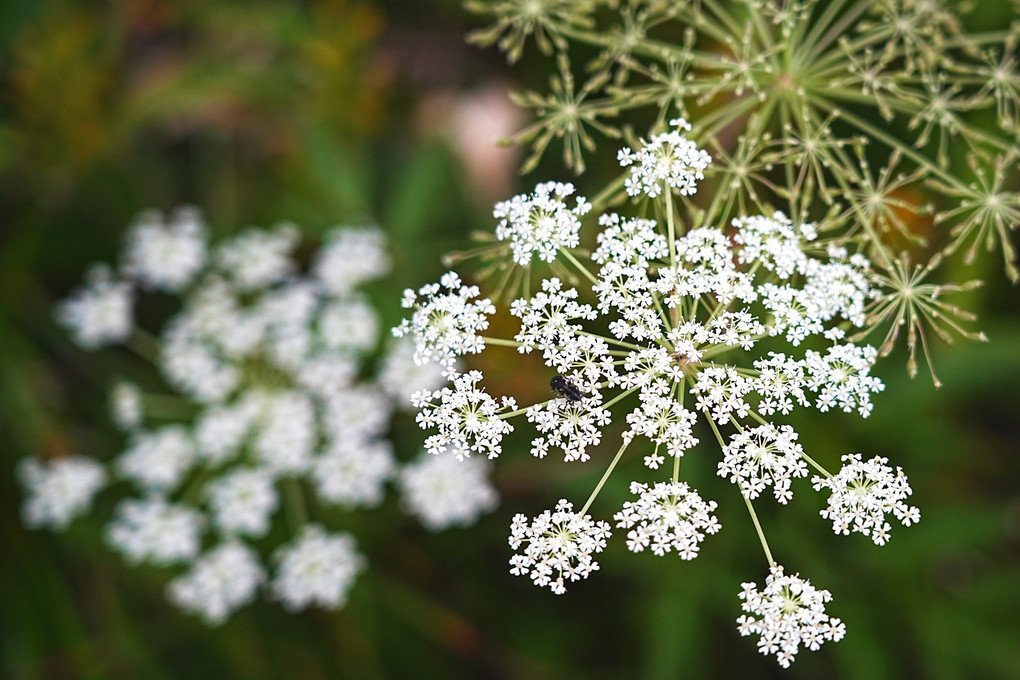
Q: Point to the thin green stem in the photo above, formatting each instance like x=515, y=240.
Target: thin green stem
x=761, y=534
x=605, y=476
x=580, y=267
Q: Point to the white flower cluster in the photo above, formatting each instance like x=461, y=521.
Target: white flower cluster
x=558, y=546
x=764, y=456
x=863, y=493
x=684, y=325
x=447, y=490
x=669, y=161
x=267, y=364
x=468, y=419
x=540, y=223
x=445, y=325
x=788, y=613
x=669, y=516
x=59, y=490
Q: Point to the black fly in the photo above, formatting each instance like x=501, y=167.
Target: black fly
x=565, y=388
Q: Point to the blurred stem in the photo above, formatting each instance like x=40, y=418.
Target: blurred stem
x=144, y=344
x=167, y=406
x=605, y=476
x=294, y=504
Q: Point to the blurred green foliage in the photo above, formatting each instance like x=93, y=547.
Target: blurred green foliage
x=262, y=111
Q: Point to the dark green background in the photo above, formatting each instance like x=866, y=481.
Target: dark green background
x=263, y=111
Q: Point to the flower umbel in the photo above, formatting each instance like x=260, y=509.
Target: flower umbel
x=672, y=328
x=273, y=416
x=788, y=613
x=558, y=546
x=863, y=493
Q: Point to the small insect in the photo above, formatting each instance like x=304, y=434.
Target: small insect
x=565, y=388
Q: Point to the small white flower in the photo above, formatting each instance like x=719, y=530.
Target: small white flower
x=664, y=421
x=863, y=493
x=126, y=405
x=353, y=472
x=763, y=456
x=100, y=313
x=286, y=433
x=257, y=258
x=158, y=460
x=152, y=530
x=669, y=516
x=571, y=426
x=194, y=368
x=165, y=255
x=721, y=391
x=667, y=161
x=220, y=430
x=222, y=580
x=59, y=490
x=558, y=546
x=349, y=257
x=349, y=325
x=467, y=418
x=445, y=325
x=442, y=491
x=774, y=242
x=788, y=613
x=628, y=242
x=242, y=502
x=842, y=378
x=317, y=569
x=540, y=223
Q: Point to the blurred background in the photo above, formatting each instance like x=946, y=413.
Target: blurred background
x=329, y=112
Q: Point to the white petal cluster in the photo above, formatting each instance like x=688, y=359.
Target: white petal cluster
x=59, y=490
x=353, y=474
x=446, y=321
x=558, y=546
x=126, y=409
x=99, y=313
x=788, y=613
x=272, y=408
x=863, y=493
x=153, y=530
x=666, y=422
x=540, y=223
x=165, y=255
x=669, y=161
x=350, y=257
x=774, y=242
x=158, y=461
x=571, y=426
x=842, y=378
x=317, y=570
x=242, y=502
x=468, y=419
x=258, y=258
x=666, y=517
x=222, y=580
x=447, y=490
x=764, y=456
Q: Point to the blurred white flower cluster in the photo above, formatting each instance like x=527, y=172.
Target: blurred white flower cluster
x=691, y=331
x=276, y=415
